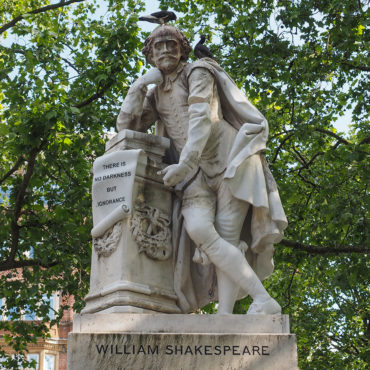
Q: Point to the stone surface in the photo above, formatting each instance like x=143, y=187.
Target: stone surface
x=163, y=323
x=131, y=268
x=154, y=146
x=113, y=184
x=162, y=341
x=182, y=351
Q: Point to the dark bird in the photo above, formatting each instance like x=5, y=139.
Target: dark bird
x=161, y=17
x=201, y=51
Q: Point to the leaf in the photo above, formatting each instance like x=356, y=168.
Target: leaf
x=75, y=110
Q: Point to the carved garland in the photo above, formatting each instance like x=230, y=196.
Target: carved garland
x=150, y=230
x=107, y=244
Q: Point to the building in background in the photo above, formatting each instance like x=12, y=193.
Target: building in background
x=49, y=353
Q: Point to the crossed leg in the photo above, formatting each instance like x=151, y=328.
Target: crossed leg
x=216, y=231
x=229, y=219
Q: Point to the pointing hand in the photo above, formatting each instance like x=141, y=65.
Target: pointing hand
x=174, y=174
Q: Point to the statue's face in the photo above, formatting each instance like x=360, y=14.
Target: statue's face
x=166, y=53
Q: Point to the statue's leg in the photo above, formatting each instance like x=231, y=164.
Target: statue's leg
x=200, y=195
x=229, y=221
x=199, y=223
x=227, y=293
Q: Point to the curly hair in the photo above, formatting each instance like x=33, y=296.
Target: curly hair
x=166, y=30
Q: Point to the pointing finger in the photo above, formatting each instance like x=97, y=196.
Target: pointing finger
x=162, y=172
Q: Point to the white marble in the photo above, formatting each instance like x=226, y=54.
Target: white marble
x=175, y=323
x=155, y=146
x=132, y=268
x=113, y=183
x=182, y=351
x=221, y=175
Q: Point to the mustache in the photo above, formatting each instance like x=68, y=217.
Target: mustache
x=167, y=55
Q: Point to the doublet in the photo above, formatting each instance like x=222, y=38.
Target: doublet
x=188, y=106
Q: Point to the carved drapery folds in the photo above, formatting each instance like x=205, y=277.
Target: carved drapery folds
x=150, y=230
x=107, y=244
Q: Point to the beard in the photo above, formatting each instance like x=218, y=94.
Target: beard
x=167, y=63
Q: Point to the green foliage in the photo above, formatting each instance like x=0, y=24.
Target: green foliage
x=304, y=64
x=63, y=74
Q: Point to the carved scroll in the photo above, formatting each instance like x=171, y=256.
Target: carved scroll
x=150, y=230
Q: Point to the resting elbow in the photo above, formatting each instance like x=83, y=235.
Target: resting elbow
x=127, y=121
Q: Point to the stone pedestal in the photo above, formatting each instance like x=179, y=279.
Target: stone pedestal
x=162, y=341
x=131, y=319
x=131, y=269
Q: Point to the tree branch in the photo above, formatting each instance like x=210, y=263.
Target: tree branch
x=93, y=97
x=300, y=158
x=295, y=270
x=71, y=65
x=307, y=181
x=15, y=20
x=365, y=141
x=360, y=6
x=19, y=203
x=359, y=67
x=314, y=249
x=281, y=146
x=10, y=265
x=332, y=134
x=13, y=169
x=314, y=157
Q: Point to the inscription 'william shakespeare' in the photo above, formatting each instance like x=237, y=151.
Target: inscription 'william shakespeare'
x=175, y=350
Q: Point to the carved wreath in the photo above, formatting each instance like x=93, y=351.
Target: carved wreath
x=150, y=230
x=107, y=244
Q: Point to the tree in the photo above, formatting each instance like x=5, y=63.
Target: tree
x=64, y=70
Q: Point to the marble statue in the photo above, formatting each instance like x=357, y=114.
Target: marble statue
x=227, y=213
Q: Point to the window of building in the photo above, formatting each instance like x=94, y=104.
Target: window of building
x=49, y=362
x=18, y=358
x=36, y=357
x=26, y=314
x=2, y=359
x=50, y=300
x=29, y=315
x=13, y=314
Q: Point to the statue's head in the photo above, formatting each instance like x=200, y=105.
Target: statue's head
x=165, y=47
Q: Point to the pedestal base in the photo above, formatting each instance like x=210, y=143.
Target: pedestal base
x=159, y=341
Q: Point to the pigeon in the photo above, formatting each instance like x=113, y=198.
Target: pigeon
x=201, y=51
x=161, y=17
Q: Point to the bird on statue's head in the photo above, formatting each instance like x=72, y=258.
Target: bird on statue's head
x=160, y=17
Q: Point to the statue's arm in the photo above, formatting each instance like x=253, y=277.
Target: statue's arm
x=201, y=87
x=137, y=110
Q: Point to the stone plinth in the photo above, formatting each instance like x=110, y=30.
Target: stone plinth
x=131, y=268
x=178, y=323
x=160, y=341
